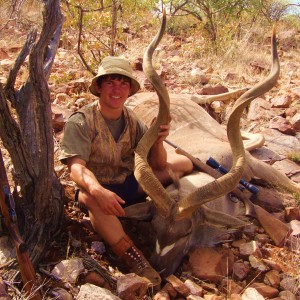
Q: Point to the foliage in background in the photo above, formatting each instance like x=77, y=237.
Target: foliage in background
x=104, y=25
x=25, y=12
x=101, y=28
x=294, y=156
x=222, y=21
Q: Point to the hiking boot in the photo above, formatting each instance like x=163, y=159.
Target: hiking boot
x=135, y=260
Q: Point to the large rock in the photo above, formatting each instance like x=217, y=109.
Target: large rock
x=280, y=143
x=287, y=166
x=211, y=263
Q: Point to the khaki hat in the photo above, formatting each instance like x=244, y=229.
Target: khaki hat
x=115, y=65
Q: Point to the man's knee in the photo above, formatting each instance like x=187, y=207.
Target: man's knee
x=187, y=165
x=85, y=200
x=181, y=165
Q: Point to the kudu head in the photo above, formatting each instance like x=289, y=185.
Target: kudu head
x=184, y=219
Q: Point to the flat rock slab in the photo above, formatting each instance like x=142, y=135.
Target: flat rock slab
x=211, y=263
x=288, y=167
x=280, y=143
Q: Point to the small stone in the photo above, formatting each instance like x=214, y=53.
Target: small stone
x=282, y=125
x=262, y=238
x=98, y=247
x=287, y=295
x=59, y=294
x=295, y=121
x=3, y=291
x=238, y=243
x=272, y=278
x=272, y=264
x=283, y=101
x=194, y=297
x=250, y=248
x=295, y=226
x=214, y=297
x=252, y=294
x=178, y=285
x=292, y=213
x=290, y=112
x=161, y=295
x=265, y=290
x=289, y=284
x=258, y=109
x=92, y=292
x=168, y=287
x=230, y=287
x=194, y=288
x=240, y=270
x=296, y=91
x=94, y=278
x=131, y=285
x=68, y=270
x=214, y=90
x=257, y=263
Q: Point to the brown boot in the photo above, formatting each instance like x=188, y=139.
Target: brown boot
x=135, y=260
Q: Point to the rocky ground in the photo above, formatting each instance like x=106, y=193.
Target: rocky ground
x=247, y=266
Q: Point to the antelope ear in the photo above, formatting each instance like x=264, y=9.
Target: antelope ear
x=141, y=211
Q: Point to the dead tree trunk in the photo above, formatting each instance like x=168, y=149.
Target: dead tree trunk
x=26, y=132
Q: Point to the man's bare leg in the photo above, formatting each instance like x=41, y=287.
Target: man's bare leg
x=178, y=164
x=111, y=233
x=111, y=230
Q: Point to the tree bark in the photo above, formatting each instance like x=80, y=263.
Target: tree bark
x=29, y=140
x=114, y=26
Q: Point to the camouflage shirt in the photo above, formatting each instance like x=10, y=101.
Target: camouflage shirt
x=106, y=146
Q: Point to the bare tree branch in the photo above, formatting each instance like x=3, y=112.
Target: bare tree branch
x=81, y=12
x=113, y=26
x=10, y=83
x=79, y=41
x=13, y=141
x=41, y=100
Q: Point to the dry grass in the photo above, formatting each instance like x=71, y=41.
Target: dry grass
x=254, y=46
x=287, y=259
x=294, y=156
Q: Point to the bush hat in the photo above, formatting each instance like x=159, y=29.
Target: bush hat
x=115, y=65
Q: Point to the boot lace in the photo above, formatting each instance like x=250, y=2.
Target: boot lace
x=136, y=258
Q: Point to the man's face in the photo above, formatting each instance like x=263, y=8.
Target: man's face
x=114, y=91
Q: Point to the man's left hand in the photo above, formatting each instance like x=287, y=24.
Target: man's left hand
x=163, y=133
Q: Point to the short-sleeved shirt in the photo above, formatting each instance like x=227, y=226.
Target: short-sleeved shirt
x=106, y=146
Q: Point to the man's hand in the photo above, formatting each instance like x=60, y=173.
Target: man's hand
x=97, y=197
x=110, y=203
x=163, y=133
x=158, y=154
